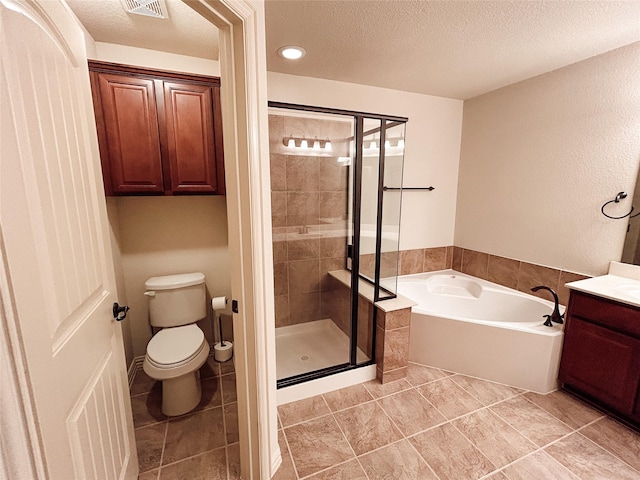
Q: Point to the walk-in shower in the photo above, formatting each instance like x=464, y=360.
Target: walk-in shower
x=336, y=185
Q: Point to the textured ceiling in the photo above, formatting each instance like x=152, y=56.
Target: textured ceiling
x=456, y=49
x=184, y=32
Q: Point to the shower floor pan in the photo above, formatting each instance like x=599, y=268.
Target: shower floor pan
x=310, y=346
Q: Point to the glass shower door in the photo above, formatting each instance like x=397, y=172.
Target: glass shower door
x=390, y=208
x=310, y=154
x=335, y=234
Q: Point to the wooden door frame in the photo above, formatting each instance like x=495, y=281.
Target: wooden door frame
x=246, y=150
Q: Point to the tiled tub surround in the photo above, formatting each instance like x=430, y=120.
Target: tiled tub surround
x=503, y=271
x=438, y=425
x=202, y=444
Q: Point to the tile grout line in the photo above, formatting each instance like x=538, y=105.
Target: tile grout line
x=515, y=394
x=226, y=458
x=602, y=446
x=355, y=455
x=476, y=447
x=559, y=419
x=286, y=440
x=423, y=459
x=164, y=446
x=548, y=412
x=224, y=432
x=542, y=450
x=343, y=434
x=391, y=419
x=537, y=448
x=484, y=407
x=522, y=433
x=199, y=454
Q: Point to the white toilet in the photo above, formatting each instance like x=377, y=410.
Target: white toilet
x=175, y=353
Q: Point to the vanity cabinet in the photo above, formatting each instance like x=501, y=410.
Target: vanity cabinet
x=159, y=132
x=601, y=353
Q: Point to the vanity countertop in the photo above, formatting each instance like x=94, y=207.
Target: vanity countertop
x=614, y=287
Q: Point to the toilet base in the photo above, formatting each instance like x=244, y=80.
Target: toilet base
x=181, y=394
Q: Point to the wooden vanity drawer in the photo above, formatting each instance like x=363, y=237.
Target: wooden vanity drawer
x=623, y=318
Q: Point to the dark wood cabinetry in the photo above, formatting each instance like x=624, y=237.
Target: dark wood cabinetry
x=159, y=132
x=601, y=354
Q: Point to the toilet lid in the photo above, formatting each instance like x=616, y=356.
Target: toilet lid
x=174, y=345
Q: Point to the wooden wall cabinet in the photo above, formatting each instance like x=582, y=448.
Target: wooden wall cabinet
x=159, y=132
x=601, y=354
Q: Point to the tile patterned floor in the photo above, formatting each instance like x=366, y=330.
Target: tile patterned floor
x=202, y=444
x=438, y=425
x=434, y=425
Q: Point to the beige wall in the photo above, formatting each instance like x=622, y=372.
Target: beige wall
x=122, y=296
x=432, y=147
x=540, y=157
x=110, y=52
x=168, y=235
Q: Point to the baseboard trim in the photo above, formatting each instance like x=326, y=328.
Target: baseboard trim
x=136, y=365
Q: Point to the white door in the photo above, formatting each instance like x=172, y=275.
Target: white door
x=56, y=253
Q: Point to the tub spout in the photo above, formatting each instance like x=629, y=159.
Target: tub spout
x=555, y=316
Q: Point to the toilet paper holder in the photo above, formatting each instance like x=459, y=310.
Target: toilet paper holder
x=222, y=350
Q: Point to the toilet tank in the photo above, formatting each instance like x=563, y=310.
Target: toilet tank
x=176, y=300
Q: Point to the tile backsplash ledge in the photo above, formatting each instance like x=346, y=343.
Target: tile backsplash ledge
x=516, y=274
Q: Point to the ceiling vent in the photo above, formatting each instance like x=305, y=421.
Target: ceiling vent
x=148, y=8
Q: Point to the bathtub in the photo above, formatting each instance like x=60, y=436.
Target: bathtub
x=471, y=326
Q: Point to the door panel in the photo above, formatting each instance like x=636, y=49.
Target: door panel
x=190, y=137
x=131, y=137
x=99, y=409
x=56, y=245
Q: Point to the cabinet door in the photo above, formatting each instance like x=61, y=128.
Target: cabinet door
x=601, y=363
x=128, y=135
x=191, y=146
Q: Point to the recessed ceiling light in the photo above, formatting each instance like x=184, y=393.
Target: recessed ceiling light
x=291, y=52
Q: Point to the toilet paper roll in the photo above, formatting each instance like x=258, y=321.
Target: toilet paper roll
x=219, y=303
x=222, y=353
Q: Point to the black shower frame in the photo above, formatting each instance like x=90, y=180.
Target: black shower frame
x=355, y=250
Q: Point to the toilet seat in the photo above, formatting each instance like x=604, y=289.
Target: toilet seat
x=175, y=351
x=174, y=347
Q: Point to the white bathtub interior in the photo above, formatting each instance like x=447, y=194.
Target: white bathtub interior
x=474, y=327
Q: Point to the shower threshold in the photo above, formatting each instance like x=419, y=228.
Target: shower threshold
x=311, y=346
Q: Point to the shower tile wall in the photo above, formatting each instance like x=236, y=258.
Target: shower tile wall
x=309, y=213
